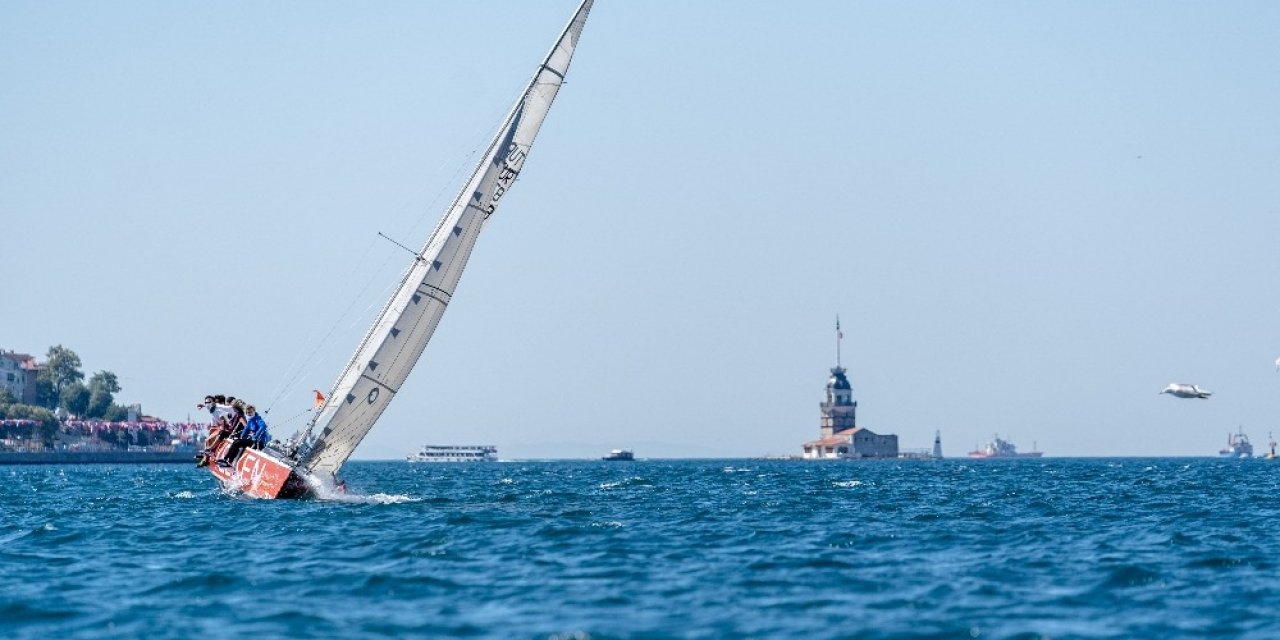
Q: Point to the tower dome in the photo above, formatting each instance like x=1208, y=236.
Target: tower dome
x=839, y=391
x=838, y=379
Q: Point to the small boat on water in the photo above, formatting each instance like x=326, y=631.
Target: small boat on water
x=620, y=455
x=455, y=453
x=309, y=461
x=1238, y=446
x=1001, y=448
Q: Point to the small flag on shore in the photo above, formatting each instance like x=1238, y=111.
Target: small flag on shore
x=319, y=398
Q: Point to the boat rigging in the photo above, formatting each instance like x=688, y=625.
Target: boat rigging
x=310, y=460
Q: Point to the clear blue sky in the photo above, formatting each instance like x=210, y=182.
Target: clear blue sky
x=1030, y=216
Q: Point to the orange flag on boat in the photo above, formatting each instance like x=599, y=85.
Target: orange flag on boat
x=319, y=398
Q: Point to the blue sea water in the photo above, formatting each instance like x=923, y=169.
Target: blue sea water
x=1051, y=548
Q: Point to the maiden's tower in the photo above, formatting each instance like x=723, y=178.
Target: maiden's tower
x=839, y=434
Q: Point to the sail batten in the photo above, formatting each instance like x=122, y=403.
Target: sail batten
x=397, y=338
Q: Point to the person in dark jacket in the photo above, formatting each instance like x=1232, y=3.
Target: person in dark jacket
x=237, y=419
x=239, y=424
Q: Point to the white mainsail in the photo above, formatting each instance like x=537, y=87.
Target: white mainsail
x=397, y=338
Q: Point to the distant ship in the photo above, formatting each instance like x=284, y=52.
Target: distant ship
x=1237, y=446
x=999, y=448
x=620, y=455
x=455, y=453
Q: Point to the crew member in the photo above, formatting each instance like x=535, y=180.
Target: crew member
x=238, y=423
x=219, y=426
x=256, y=429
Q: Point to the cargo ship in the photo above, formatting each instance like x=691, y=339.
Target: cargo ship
x=1000, y=448
x=1238, y=446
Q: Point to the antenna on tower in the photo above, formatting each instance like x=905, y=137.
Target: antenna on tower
x=839, y=337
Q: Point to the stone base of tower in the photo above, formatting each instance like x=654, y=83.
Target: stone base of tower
x=852, y=444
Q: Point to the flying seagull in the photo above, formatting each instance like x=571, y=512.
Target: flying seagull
x=1178, y=390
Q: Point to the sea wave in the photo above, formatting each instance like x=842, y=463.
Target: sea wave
x=790, y=549
x=372, y=498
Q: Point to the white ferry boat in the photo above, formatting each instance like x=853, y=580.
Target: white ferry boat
x=455, y=453
x=620, y=455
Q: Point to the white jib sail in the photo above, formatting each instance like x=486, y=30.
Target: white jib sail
x=397, y=338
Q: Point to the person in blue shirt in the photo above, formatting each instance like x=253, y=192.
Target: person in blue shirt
x=257, y=429
x=253, y=432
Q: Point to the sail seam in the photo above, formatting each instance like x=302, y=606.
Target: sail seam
x=378, y=382
x=558, y=74
x=435, y=289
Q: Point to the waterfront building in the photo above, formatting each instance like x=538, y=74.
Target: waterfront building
x=839, y=433
x=18, y=374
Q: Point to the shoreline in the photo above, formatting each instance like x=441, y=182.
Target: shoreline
x=96, y=457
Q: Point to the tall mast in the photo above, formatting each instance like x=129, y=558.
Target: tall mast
x=839, y=337
x=398, y=336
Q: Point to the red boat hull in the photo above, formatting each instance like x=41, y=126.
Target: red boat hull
x=260, y=475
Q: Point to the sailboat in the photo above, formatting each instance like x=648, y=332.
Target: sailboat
x=309, y=461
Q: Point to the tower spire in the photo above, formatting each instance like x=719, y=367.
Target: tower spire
x=839, y=337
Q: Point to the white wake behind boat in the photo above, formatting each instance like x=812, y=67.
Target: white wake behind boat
x=311, y=458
